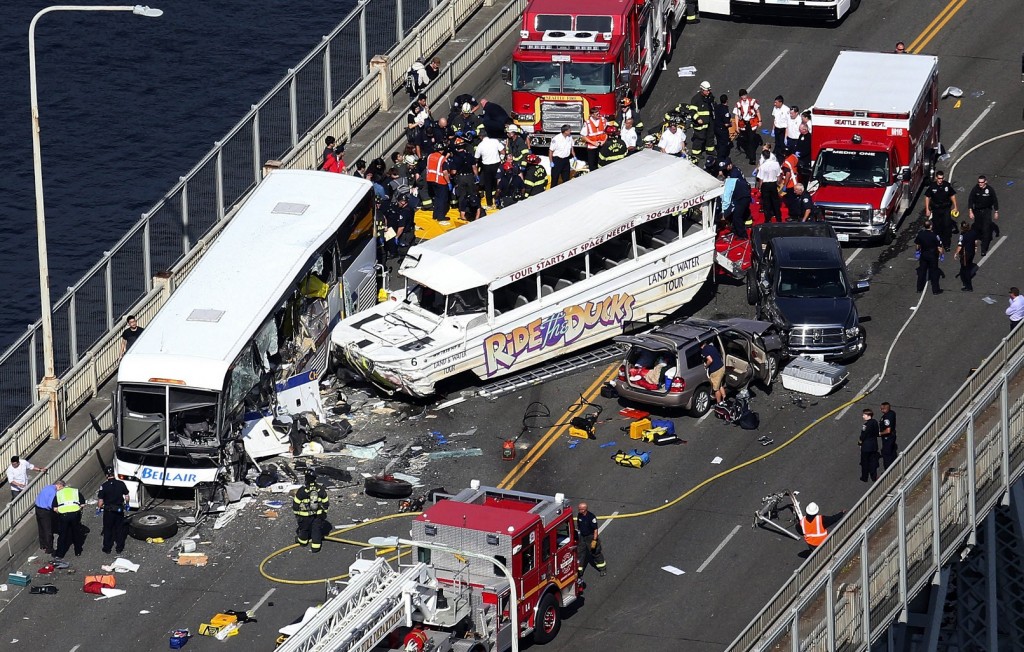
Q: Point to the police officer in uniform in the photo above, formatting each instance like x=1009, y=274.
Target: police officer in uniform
x=462, y=168
x=939, y=204
x=398, y=216
x=722, y=121
x=701, y=110
x=310, y=505
x=113, y=501
x=868, y=443
x=887, y=431
x=804, y=204
x=984, y=211
x=534, y=176
x=588, y=547
x=929, y=248
x=613, y=149
x=68, y=505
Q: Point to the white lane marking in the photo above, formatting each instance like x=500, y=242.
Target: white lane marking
x=992, y=250
x=75, y=648
x=974, y=124
x=750, y=89
x=856, y=252
x=719, y=548
x=262, y=600
x=608, y=522
x=863, y=389
x=706, y=415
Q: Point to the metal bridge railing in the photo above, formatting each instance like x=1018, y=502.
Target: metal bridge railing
x=332, y=74
x=910, y=523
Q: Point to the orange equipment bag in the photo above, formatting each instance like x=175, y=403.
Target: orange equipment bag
x=95, y=583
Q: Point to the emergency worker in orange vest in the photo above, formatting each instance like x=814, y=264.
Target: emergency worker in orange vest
x=438, y=181
x=787, y=181
x=594, y=136
x=746, y=117
x=814, y=526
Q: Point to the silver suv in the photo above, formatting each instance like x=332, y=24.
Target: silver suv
x=664, y=367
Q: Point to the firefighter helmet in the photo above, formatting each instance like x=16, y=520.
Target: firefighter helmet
x=533, y=159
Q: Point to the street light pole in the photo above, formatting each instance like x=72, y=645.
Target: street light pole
x=48, y=386
x=513, y=594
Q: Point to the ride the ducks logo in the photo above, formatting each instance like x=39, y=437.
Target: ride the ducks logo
x=501, y=350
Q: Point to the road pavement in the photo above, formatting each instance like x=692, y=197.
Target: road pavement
x=681, y=510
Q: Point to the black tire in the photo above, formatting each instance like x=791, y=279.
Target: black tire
x=753, y=294
x=153, y=524
x=701, y=401
x=385, y=486
x=549, y=620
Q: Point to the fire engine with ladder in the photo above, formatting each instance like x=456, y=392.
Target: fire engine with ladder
x=452, y=596
x=576, y=54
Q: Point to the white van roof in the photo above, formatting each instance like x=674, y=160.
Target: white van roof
x=876, y=81
x=587, y=211
x=253, y=262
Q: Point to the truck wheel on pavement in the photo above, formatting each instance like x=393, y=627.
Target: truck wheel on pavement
x=549, y=620
x=701, y=401
x=752, y=291
x=153, y=524
x=386, y=486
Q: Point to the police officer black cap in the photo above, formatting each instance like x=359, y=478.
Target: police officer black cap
x=310, y=476
x=109, y=471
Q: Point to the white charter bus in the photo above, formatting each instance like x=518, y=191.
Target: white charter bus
x=546, y=276
x=245, y=335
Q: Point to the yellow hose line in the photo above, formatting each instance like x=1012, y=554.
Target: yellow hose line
x=335, y=539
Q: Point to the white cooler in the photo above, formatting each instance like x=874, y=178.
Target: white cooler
x=815, y=377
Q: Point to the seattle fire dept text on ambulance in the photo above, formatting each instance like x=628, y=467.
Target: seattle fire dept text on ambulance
x=577, y=54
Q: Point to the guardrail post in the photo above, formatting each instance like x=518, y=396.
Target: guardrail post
x=399, y=26
x=328, y=91
x=972, y=487
x=293, y=107
x=346, y=120
x=865, y=587
x=901, y=542
x=72, y=327
x=270, y=166
x=147, y=259
x=454, y=19
x=108, y=280
x=364, y=56
x=185, y=246
x=1004, y=431
x=164, y=281
x=256, y=156
x=379, y=64
x=219, y=180
x=33, y=372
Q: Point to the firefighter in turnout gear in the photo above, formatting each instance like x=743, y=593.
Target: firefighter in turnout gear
x=310, y=505
x=627, y=111
x=516, y=145
x=701, y=110
x=613, y=149
x=588, y=548
x=534, y=176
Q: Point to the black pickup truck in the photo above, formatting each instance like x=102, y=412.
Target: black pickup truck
x=798, y=281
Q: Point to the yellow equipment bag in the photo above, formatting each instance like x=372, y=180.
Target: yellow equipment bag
x=634, y=459
x=637, y=428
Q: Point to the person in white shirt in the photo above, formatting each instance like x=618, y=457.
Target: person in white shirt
x=628, y=135
x=560, y=150
x=17, y=474
x=1015, y=311
x=792, y=129
x=673, y=140
x=780, y=122
x=768, y=183
x=489, y=154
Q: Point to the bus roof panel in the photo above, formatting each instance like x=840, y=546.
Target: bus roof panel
x=555, y=222
x=248, y=269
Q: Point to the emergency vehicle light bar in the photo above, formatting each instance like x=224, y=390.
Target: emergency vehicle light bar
x=862, y=114
x=563, y=45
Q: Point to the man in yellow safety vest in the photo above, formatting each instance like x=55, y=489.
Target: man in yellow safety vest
x=68, y=505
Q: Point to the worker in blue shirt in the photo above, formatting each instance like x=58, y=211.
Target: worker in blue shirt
x=46, y=518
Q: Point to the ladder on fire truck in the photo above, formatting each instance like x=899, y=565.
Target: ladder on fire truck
x=362, y=615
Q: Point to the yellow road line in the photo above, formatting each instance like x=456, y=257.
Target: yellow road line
x=553, y=433
x=935, y=26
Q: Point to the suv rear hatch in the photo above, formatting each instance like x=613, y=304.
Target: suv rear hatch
x=650, y=361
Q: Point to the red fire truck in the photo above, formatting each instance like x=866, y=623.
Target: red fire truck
x=875, y=140
x=454, y=594
x=576, y=54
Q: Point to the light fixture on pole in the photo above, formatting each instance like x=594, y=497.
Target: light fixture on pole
x=394, y=542
x=49, y=384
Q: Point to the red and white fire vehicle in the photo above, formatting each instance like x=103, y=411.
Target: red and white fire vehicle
x=875, y=140
x=452, y=596
x=576, y=54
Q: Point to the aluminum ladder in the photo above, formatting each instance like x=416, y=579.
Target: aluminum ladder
x=362, y=615
x=550, y=371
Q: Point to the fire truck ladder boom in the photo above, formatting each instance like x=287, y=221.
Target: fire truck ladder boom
x=362, y=615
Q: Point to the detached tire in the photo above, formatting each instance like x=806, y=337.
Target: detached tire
x=386, y=486
x=753, y=293
x=153, y=524
x=549, y=620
